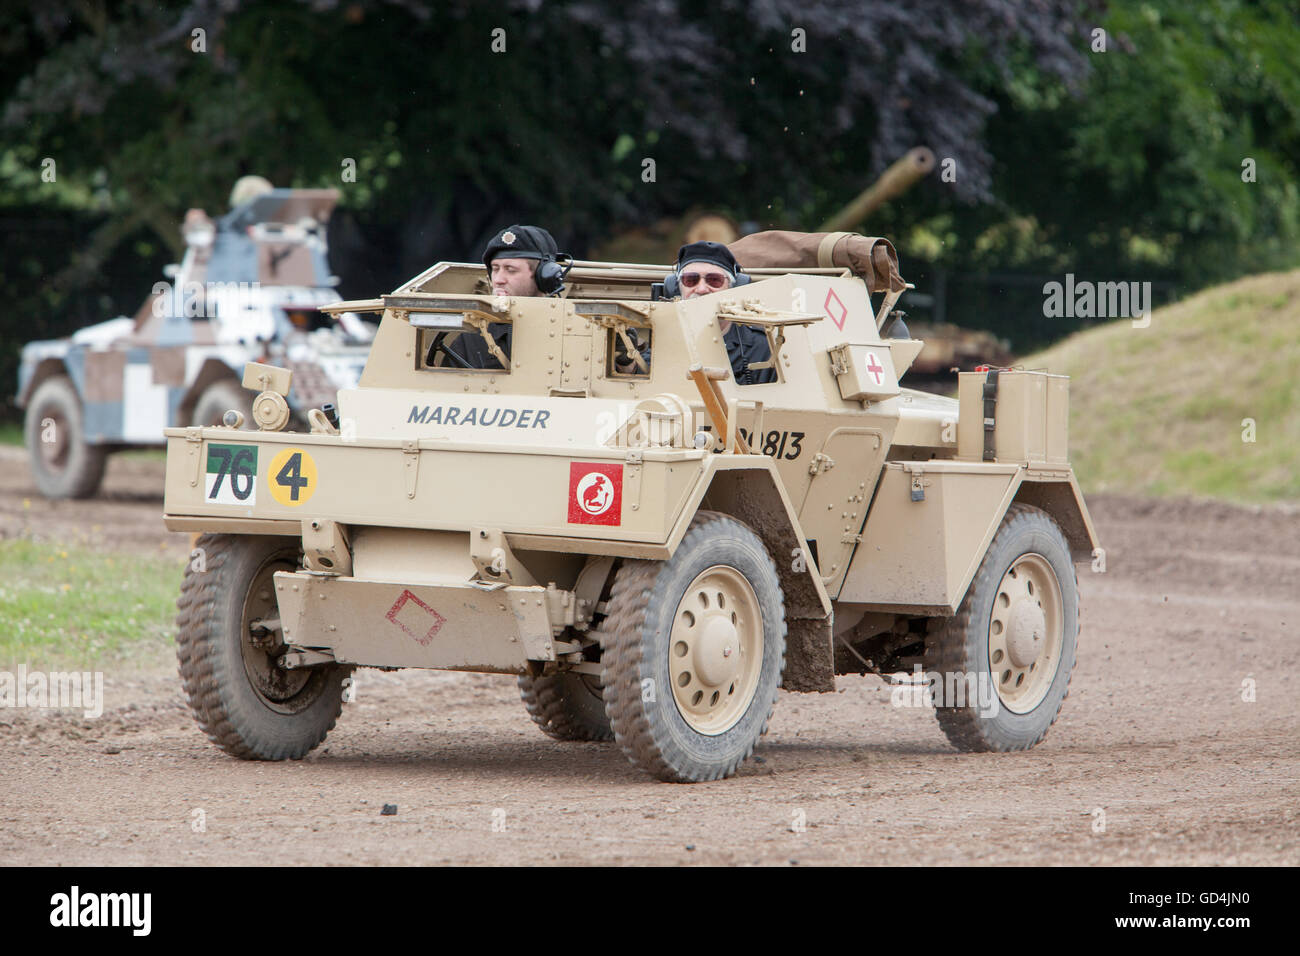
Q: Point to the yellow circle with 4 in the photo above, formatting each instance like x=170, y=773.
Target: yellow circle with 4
x=291, y=477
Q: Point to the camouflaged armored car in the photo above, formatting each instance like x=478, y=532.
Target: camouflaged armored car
x=652, y=549
x=249, y=288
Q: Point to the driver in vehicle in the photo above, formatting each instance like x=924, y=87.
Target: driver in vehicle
x=521, y=261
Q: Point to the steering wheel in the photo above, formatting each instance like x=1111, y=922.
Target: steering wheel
x=440, y=345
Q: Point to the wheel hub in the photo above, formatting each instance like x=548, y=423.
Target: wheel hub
x=1026, y=633
x=278, y=688
x=1026, y=628
x=716, y=659
x=716, y=650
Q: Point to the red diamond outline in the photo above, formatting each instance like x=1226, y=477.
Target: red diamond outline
x=426, y=638
x=844, y=309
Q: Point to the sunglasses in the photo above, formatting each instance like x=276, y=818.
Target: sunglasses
x=716, y=280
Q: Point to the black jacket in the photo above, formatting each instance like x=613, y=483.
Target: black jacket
x=746, y=344
x=471, y=347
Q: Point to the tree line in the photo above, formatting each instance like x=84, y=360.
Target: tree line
x=1152, y=140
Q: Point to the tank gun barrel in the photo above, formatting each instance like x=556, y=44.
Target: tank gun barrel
x=895, y=180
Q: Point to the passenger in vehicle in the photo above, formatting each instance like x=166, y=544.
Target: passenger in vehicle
x=705, y=267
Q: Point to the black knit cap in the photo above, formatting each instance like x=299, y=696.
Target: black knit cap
x=712, y=252
x=520, y=242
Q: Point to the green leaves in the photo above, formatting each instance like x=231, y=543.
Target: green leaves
x=1124, y=161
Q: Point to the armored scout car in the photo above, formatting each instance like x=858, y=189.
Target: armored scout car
x=249, y=288
x=654, y=550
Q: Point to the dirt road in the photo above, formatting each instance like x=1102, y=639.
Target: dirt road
x=1156, y=758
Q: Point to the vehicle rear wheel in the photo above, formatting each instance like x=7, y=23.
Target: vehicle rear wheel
x=693, y=652
x=220, y=397
x=566, y=706
x=228, y=644
x=63, y=464
x=1012, y=644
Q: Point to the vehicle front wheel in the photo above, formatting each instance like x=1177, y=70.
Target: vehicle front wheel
x=63, y=464
x=1000, y=668
x=228, y=642
x=693, y=650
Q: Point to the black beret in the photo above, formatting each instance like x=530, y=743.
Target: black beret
x=520, y=242
x=714, y=252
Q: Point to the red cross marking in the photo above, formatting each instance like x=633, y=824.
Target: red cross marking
x=874, y=366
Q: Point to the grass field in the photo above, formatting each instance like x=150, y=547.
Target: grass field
x=1168, y=409
x=73, y=607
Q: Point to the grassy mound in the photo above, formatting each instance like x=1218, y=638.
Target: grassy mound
x=1163, y=410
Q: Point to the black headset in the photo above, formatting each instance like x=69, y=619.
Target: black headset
x=550, y=271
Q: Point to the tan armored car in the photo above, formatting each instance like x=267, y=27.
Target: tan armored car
x=651, y=547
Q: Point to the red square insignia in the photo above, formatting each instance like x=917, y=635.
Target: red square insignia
x=595, y=493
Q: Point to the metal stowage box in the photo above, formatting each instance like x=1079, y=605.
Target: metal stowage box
x=1030, y=420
